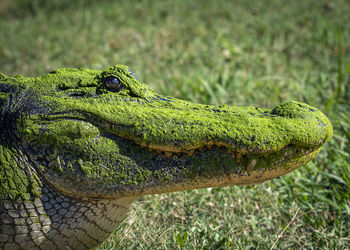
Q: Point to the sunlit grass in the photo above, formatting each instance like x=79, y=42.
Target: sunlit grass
x=217, y=52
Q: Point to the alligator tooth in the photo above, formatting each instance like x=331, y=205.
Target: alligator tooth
x=201, y=149
x=168, y=154
x=210, y=146
x=158, y=151
x=238, y=157
x=251, y=165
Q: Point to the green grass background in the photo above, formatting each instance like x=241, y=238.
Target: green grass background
x=217, y=52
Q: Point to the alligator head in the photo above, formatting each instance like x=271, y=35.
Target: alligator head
x=106, y=135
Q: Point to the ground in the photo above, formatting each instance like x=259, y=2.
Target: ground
x=217, y=52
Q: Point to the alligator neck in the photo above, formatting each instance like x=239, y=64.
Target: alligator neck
x=32, y=214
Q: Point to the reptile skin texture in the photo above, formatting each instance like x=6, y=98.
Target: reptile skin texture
x=73, y=223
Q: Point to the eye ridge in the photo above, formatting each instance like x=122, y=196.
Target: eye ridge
x=112, y=83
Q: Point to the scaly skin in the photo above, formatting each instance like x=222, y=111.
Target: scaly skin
x=77, y=146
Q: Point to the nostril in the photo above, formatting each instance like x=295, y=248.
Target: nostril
x=294, y=109
x=306, y=107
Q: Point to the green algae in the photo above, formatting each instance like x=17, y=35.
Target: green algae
x=16, y=182
x=92, y=136
x=3, y=96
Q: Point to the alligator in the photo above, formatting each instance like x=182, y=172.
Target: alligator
x=77, y=146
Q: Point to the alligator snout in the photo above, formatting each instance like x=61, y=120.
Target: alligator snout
x=312, y=128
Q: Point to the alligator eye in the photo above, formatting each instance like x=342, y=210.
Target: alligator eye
x=112, y=84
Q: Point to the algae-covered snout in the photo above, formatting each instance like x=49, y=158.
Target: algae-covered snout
x=309, y=126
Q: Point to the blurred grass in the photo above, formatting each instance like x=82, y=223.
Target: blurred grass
x=217, y=52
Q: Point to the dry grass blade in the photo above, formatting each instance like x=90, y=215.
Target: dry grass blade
x=284, y=229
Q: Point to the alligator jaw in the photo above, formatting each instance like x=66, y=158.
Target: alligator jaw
x=247, y=176
x=249, y=169
x=241, y=169
x=160, y=174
